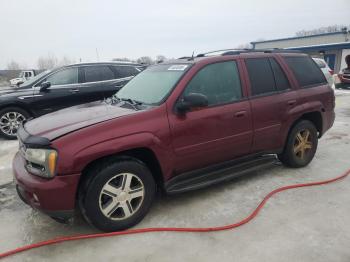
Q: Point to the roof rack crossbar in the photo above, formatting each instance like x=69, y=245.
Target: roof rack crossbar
x=221, y=50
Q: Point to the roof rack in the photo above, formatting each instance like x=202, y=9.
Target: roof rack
x=242, y=51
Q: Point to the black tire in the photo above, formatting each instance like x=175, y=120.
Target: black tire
x=91, y=195
x=292, y=154
x=6, y=110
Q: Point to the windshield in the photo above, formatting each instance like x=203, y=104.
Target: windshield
x=21, y=74
x=154, y=84
x=35, y=78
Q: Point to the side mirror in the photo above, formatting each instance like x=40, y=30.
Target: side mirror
x=45, y=85
x=192, y=100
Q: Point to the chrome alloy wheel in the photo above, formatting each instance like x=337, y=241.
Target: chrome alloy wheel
x=121, y=196
x=10, y=122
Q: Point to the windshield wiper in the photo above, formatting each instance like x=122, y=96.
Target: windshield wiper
x=129, y=101
x=132, y=101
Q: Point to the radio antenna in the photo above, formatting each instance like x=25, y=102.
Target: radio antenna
x=192, y=57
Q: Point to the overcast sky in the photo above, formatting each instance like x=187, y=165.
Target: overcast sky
x=75, y=28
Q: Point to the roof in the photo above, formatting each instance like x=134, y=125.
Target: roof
x=105, y=63
x=297, y=37
x=222, y=55
x=323, y=47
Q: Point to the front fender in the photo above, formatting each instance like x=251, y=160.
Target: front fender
x=76, y=162
x=14, y=103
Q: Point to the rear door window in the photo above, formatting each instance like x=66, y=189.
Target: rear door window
x=98, y=73
x=282, y=82
x=261, y=77
x=306, y=71
x=126, y=71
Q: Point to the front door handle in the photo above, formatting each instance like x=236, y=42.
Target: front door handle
x=74, y=90
x=292, y=102
x=240, y=113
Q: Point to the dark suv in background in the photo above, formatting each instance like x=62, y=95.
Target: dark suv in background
x=177, y=126
x=62, y=87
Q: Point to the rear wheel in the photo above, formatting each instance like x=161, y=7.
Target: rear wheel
x=118, y=195
x=301, y=145
x=10, y=120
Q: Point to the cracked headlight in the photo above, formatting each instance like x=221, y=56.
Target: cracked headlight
x=41, y=162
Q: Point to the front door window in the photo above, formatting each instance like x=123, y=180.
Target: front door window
x=66, y=76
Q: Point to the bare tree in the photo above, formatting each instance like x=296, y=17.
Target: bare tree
x=47, y=62
x=145, y=60
x=65, y=61
x=160, y=58
x=122, y=59
x=13, y=65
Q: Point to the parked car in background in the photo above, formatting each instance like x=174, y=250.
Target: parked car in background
x=177, y=126
x=344, y=77
x=326, y=70
x=24, y=76
x=62, y=87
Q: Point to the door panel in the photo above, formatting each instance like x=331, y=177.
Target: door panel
x=272, y=99
x=219, y=132
x=270, y=115
x=62, y=93
x=55, y=98
x=211, y=135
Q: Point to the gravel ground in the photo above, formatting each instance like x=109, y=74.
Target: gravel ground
x=309, y=224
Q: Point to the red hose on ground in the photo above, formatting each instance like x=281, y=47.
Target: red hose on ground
x=173, y=229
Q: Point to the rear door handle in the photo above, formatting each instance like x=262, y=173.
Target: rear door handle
x=74, y=90
x=240, y=113
x=291, y=102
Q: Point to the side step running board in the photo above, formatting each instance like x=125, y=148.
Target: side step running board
x=216, y=174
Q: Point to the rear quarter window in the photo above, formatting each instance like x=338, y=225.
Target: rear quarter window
x=306, y=71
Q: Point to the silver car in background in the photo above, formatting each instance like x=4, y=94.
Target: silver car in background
x=326, y=70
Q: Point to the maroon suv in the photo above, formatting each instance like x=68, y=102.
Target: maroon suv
x=177, y=126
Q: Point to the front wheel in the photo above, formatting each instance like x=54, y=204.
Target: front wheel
x=118, y=195
x=301, y=145
x=10, y=120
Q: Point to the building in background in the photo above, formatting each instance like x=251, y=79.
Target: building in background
x=333, y=47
